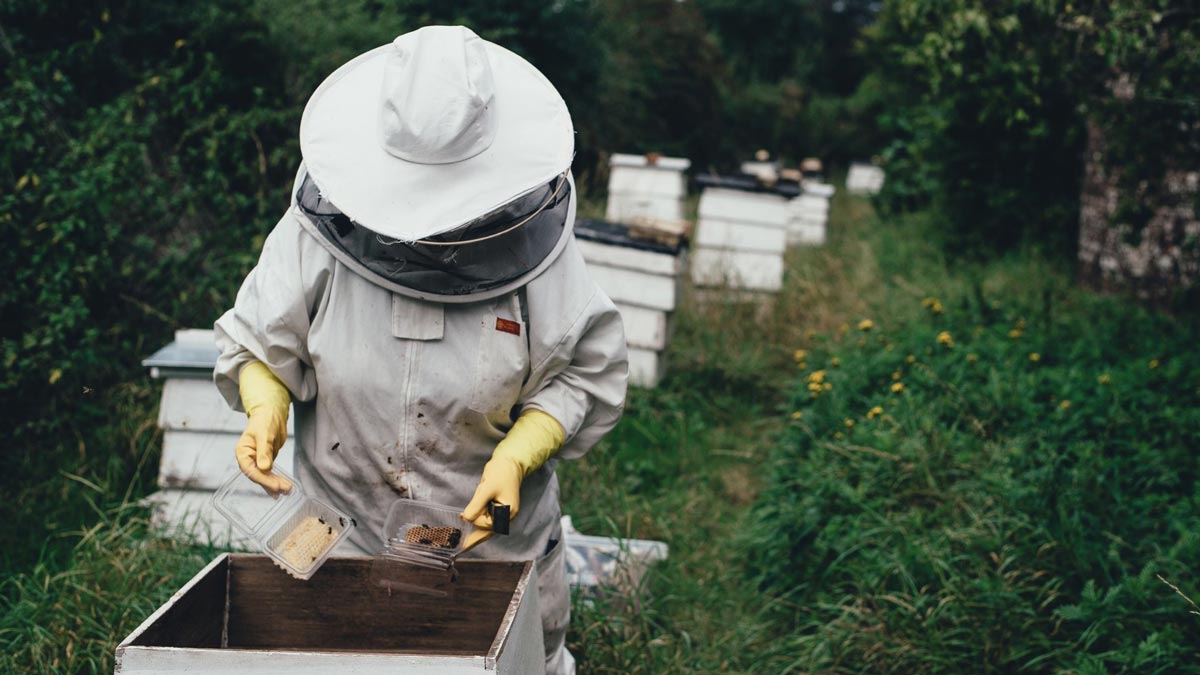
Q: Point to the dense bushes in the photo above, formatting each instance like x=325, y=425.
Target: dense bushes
x=989, y=100
x=993, y=488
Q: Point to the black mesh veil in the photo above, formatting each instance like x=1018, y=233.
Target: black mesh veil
x=479, y=256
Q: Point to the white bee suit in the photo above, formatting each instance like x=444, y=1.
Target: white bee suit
x=402, y=398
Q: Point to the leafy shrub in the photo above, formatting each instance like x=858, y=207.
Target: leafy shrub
x=995, y=487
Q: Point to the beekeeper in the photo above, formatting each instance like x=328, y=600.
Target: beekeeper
x=425, y=308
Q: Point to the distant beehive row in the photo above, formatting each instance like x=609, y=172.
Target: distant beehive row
x=745, y=224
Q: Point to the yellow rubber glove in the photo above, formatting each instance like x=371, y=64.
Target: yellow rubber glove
x=532, y=440
x=266, y=401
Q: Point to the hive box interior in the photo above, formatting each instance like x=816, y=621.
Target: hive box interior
x=246, y=602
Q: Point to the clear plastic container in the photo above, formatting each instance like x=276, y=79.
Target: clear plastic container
x=421, y=542
x=296, y=531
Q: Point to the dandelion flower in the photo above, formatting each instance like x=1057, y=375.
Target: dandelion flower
x=1020, y=324
x=910, y=359
x=797, y=415
x=816, y=376
x=1035, y=357
x=874, y=412
x=814, y=386
x=896, y=375
x=866, y=325
x=827, y=386
x=835, y=362
x=849, y=423
x=944, y=338
x=972, y=358
x=889, y=347
x=844, y=328
x=1153, y=363
x=1104, y=379
x=799, y=355
x=897, y=387
x=1065, y=404
x=802, y=366
x=838, y=435
x=1015, y=333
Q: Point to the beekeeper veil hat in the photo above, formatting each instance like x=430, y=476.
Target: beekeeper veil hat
x=439, y=164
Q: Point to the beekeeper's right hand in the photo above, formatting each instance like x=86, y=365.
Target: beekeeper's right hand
x=266, y=401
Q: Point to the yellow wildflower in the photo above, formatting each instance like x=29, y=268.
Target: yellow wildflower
x=835, y=362
x=1104, y=379
x=1035, y=357
x=838, y=435
x=896, y=375
x=849, y=423
x=827, y=386
x=843, y=328
x=972, y=358
x=1014, y=333
x=1153, y=363
x=936, y=308
x=944, y=338
x=1065, y=404
x=910, y=359
x=889, y=347
x=1020, y=324
x=799, y=354
x=897, y=387
x=816, y=376
x=814, y=386
x=874, y=412
x=802, y=366
x=928, y=302
x=866, y=324
x=797, y=415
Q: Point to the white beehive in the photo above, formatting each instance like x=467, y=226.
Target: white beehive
x=643, y=280
x=809, y=214
x=241, y=614
x=740, y=240
x=200, y=432
x=646, y=186
x=864, y=179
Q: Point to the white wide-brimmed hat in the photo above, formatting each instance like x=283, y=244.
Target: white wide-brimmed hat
x=438, y=128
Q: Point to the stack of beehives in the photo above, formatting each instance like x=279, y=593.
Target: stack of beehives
x=646, y=187
x=642, y=277
x=864, y=179
x=200, y=432
x=636, y=254
x=740, y=237
x=809, y=214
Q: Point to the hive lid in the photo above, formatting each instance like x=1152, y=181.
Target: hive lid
x=785, y=188
x=617, y=234
x=192, y=350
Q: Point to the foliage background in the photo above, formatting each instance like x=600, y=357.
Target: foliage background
x=149, y=146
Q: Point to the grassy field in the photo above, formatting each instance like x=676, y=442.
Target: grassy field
x=698, y=463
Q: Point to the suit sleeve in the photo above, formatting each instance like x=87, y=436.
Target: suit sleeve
x=581, y=378
x=270, y=319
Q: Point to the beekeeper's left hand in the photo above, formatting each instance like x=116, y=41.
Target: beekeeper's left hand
x=532, y=440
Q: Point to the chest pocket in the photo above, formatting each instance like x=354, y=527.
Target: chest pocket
x=502, y=360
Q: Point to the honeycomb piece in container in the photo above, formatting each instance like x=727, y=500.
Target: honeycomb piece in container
x=309, y=540
x=441, y=537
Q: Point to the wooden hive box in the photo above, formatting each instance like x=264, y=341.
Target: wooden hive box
x=646, y=186
x=643, y=280
x=200, y=432
x=241, y=614
x=740, y=240
x=864, y=179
